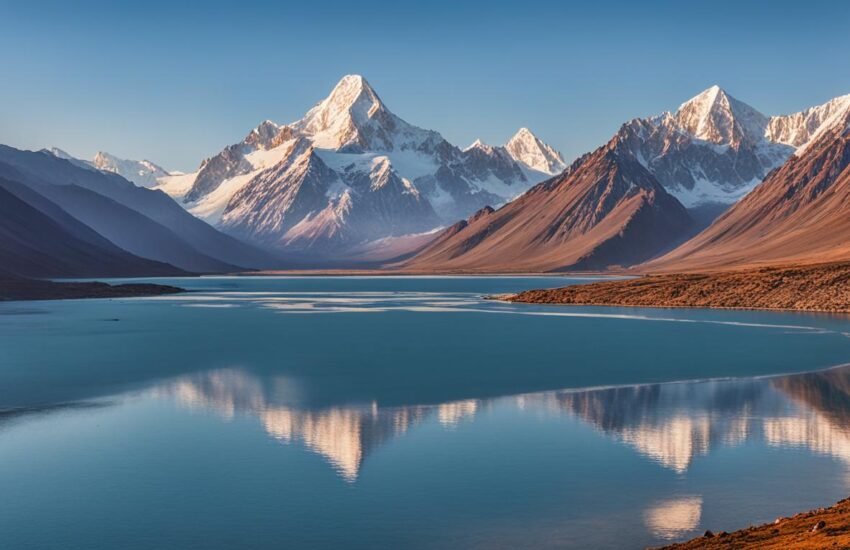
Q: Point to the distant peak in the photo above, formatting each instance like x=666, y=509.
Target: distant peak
x=477, y=144
x=530, y=150
x=524, y=133
x=59, y=153
x=714, y=115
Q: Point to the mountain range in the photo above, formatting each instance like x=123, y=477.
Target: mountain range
x=799, y=214
x=624, y=204
x=349, y=172
x=65, y=219
x=352, y=182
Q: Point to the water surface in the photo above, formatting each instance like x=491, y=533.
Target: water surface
x=408, y=412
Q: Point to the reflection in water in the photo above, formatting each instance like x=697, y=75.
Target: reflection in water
x=673, y=518
x=344, y=436
x=670, y=424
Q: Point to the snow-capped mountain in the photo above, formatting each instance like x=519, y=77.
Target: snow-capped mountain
x=800, y=129
x=352, y=171
x=528, y=149
x=797, y=215
x=713, y=149
x=143, y=173
x=353, y=119
x=300, y=203
x=716, y=149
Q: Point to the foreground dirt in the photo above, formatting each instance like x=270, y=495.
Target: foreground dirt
x=25, y=289
x=822, y=528
x=824, y=287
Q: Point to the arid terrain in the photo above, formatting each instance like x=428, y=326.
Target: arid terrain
x=824, y=287
x=821, y=528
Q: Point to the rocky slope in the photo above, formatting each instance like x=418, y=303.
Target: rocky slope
x=799, y=214
x=713, y=149
x=301, y=204
x=604, y=210
x=372, y=175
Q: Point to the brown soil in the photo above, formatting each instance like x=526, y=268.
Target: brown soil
x=824, y=287
x=794, y=532
x=27, y=289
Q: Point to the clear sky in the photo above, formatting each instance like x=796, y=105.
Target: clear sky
x=175, y=83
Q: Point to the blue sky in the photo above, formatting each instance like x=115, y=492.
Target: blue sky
x=175, y=83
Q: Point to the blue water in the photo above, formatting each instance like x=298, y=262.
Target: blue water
x=382, y=412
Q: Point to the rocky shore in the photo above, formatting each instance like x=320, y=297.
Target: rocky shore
x=29, y=289
x=821, y=528
x=823, y=287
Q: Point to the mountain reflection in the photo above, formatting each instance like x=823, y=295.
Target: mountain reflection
x=344, y=436
x=674, y=518
x=671, y=424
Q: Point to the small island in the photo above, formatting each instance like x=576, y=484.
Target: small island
x=31, y=289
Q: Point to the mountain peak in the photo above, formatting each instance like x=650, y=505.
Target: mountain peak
x=352, y=91
x=524, y=134
x=353, y=119
x=143, y=173
x=715, y=116
x=478, y=144
x=530, y=150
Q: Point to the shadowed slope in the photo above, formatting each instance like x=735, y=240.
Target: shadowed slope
x=604, y=210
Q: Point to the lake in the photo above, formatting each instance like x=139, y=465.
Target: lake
x=389, y=412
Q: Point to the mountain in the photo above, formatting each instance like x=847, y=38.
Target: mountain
x=59, y=153
x=604, y=210
x=349, y=172
x=143, y=173
x=529, y=150
x=145, y=222
x=302, y=202
x=39, y=239
x=713, y=149
x=799, y=214
x=799, y=129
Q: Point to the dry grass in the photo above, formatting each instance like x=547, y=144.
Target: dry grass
x=794, y=532
x=824, y=287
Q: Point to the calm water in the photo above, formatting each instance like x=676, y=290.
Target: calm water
x=408, y=412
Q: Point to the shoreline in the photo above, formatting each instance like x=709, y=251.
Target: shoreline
x=827, y=527
x=823, y=288
x=394, y=273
